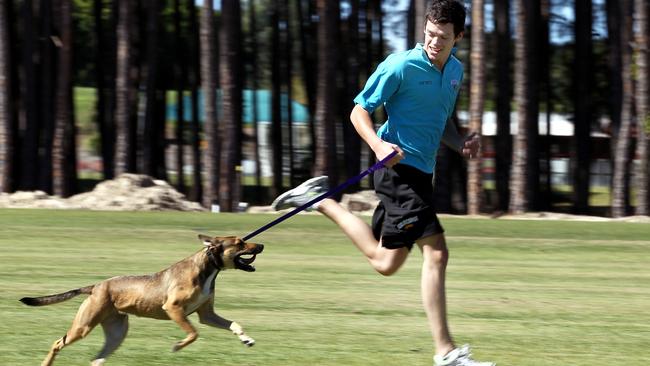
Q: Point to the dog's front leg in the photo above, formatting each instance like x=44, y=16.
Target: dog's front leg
x=177, y=314
x=209, y=317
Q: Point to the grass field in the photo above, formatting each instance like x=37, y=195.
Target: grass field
x=521, y=292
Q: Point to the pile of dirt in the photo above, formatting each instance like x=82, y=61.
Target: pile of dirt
x=128, y=192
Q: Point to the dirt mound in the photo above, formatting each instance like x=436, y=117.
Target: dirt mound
x=128, y=192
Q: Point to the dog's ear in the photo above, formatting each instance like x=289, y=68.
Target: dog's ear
x=207, y=241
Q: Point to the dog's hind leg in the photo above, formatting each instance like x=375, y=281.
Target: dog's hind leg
x=86, y=319
x=115, y=329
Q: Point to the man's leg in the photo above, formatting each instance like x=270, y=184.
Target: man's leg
x=435, y=256
x=383, y=260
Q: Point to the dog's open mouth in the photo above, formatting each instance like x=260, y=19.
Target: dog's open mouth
x=243, y=260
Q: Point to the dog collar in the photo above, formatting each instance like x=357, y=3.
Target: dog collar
x=216, y=261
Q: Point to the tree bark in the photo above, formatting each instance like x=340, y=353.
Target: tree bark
x=150, y=142
x=104, y=116
x=641, y=174
x=64, y=151
x=503, y=139
x=7, y=123
x=180, y=71
x=583, y=74
x=195, y=57
x=231, y=87
x=124, y=132
x=209, y=82
x=325, y=162
x=477, y=101
x=276, y=104
x=29, y=98
x=622, y=158
x=524, y=160
x=252, y=20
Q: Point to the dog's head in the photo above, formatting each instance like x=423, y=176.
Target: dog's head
x=232, y=252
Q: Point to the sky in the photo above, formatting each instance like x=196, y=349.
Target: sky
x=561, y=9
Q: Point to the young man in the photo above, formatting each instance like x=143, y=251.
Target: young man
x=418, y=88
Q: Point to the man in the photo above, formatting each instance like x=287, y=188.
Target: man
x=418, y=88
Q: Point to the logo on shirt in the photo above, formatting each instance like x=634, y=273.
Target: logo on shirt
x=455, y=84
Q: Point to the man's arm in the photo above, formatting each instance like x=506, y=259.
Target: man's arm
x=468, y=146
x=362, y=123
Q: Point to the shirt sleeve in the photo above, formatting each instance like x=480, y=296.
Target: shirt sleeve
x=381, y=85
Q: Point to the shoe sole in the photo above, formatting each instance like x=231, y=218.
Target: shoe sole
x=307, y=183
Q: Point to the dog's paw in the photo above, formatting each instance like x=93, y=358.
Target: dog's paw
x=247, y=341
x=176, y=347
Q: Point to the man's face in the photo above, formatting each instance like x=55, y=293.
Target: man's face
x=439, y=39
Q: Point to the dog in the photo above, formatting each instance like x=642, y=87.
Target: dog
x=173, y=293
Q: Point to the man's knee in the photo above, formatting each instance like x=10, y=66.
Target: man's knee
x=434, y=250
x=388, y=261
x=386, y=269
x=439, y=257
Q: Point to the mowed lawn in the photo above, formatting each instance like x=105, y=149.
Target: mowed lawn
x=521, y=292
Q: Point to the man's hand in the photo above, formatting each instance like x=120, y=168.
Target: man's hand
x=471, y=146
x=384, y=149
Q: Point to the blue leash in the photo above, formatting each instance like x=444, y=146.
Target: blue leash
x=331, y=192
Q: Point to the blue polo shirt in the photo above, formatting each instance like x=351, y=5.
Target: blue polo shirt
x=418, y=98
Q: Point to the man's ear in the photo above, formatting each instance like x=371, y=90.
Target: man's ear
x=459, y=36
x=207, y=240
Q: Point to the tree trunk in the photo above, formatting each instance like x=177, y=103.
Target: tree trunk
x=47, y=92
x=418, y=9
x=180, y=72
x=150, y=141
x=308, y=56
x=252, y=20
x=124, y=133
x=350, y=63
x=477, y=101
x=231, y=87
x=195, y=57
x=583, y=74
x=104, y=95
x=276, y=104
x=641, y=174
x=209, y=82
x=503, y=139
x=288, y=77
x=325, y=162
x=29, y=110
x=7, y=122
x=614, y=76
x=523, y=173
x=63, y=154
x=620, y=194
x=545, y=58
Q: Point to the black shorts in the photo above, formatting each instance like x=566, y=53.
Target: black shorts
x=406, y=210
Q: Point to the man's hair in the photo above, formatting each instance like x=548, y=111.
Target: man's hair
x=447, y=11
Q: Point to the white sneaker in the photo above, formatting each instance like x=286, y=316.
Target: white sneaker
x=459, y=357
x=302, y=194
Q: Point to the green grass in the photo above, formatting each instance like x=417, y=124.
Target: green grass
x=521, y=292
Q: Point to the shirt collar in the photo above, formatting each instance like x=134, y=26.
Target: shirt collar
x=420, y=46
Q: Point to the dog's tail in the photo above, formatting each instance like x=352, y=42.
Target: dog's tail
x=53, y=299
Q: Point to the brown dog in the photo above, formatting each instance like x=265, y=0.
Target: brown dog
x=173, y=293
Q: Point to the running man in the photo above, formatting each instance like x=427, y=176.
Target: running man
x=418, y=89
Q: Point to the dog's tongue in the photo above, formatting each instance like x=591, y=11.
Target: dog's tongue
x=248, y=260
